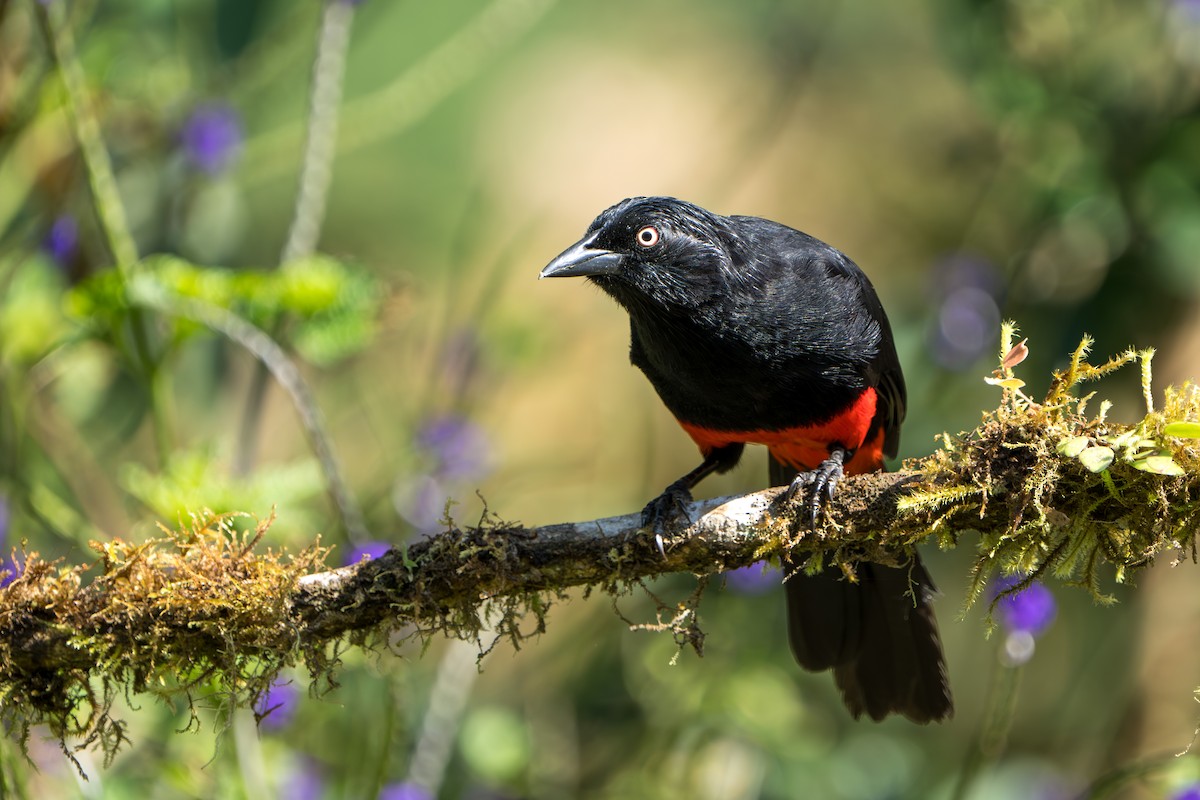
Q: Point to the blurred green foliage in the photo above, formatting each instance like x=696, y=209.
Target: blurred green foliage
x=330, y=307
x=979, y=158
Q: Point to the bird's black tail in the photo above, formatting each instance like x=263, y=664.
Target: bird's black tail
x=879, y=635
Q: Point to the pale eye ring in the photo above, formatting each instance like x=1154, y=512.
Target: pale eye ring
x=648, y=236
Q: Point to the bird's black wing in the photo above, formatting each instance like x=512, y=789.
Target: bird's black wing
x=839, y=306
x=879, y=634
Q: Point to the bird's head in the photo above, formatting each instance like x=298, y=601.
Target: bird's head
x=655, y=250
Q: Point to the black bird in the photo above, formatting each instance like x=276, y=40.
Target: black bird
x=753, y=332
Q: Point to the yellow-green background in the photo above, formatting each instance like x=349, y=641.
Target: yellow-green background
x=1058, y=142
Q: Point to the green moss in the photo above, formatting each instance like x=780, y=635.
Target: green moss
x=1047, y=502
x=195, y=608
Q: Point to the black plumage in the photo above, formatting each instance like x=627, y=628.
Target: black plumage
x=753, y=332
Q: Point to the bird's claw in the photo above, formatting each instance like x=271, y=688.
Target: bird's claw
x=667, y=511
x=823, y=480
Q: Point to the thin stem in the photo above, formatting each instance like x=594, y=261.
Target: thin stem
x=316, y=169
x=106, y=198
x=386, y=735
x=162, y=402
x=316, y=172
x=249, y=754
x=451, y=688
x=384, y=112
x=990, y=741
x=109, y=208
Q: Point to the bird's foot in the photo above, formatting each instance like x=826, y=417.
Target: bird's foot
x=668, y=510
x=823, y=480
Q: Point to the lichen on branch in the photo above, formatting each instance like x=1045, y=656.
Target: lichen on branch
x=1047, y=487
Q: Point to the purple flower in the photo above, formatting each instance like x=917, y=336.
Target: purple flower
x=306, y=782
x=966, y=290
x=1189, y=791
x=1187, y=11
x=421, y=501
x=276, y=706
x=12, y=569
x=459, y=447
x=406, y=790
x=62, y=240
x=752, y=579
x=212, y=137
x=7, y=563
x=367, y=549
x=1030, y=610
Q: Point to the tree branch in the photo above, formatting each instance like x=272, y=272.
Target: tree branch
x=1044, y=487
x=461, y=568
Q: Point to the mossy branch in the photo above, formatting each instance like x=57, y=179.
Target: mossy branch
x=200, y=610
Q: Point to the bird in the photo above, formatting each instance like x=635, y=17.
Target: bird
x=752, y=332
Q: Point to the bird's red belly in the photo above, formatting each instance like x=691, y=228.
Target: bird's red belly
x=804, y=447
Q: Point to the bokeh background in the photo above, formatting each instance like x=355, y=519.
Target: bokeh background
x=980, y=159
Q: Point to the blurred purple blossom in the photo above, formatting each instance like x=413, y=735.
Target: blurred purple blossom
x=967, y=291
x=277, y=705
x=1190, y=791
x=212, y=137
x=1053, y=786
x=368, y=549
x=6, y=559
x=421, y=501
x=306, y=782
x=458, y=447
x=62, y=240
x=1186, y=10
x=1030, y=610
x=406, y=790
x=752, y=579
x=454, y=450
x=12, y=567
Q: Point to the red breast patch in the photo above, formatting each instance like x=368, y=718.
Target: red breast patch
x=805, y=446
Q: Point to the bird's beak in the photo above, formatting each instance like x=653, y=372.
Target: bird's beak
x=583, y=259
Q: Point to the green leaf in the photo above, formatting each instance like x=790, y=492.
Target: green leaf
x=1073, y=446
x=313, y=284
x=330, y=337
x=31, y=317
x=334, y=306
x=1126, y=439
x=1183, y=430
x=338, y=305
x=1096, y=457
x=409, y=564
x=98, y=302
x=1159, y=465
x=195, y=479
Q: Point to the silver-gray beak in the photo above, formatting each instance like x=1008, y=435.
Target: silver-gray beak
x=582, y=259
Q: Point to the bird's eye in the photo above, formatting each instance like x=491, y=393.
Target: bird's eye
x=648, y=236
